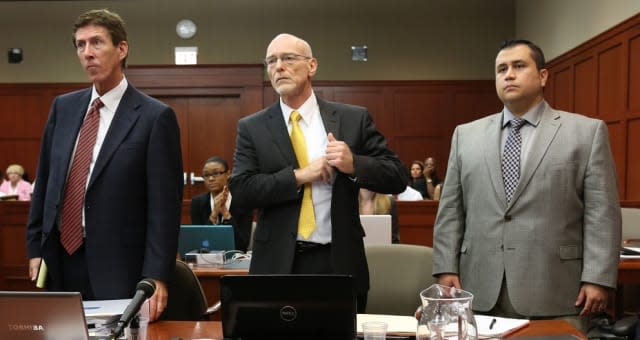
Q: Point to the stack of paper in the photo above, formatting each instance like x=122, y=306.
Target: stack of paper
x=487, y=327
x=396, y=324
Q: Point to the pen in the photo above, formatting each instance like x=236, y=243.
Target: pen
x=92, y=307
x=493, y=322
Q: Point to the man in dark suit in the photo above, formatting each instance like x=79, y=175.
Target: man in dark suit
x=130, y=191
x=308, y=219
x=216, y=206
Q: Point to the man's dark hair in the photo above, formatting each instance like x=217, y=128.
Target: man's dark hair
x=107, y=19
x=219, y=160
x=536, y=52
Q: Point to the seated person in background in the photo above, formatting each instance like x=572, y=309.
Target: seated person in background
x=432, y=179
x=372, y=203
x=418, y=181
x=15, y=185
x=215, y=206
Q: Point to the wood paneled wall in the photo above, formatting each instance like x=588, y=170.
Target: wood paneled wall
x=417, y=117
x=601, y=78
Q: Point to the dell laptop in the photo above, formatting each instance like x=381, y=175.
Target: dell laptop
x=288, y=307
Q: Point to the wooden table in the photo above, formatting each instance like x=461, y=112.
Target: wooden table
x=628, y=274
x=213, y=329
x=210, y=281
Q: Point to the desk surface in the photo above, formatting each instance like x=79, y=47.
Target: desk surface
x=213, y=329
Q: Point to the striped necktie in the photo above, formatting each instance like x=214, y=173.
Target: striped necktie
x=71, y=232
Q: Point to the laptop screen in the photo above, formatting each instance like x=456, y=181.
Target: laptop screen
x=194, y=238
x=42, y=315
x=288, y=306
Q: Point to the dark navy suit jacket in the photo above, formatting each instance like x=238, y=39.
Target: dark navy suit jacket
x=133, y=198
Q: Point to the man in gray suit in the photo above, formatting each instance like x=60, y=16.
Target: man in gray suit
x=529, y=219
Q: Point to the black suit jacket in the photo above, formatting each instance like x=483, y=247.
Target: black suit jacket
x=263, y=178
x=133, y=198
x=201, y=209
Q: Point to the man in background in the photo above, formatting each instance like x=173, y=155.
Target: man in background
x=216, y=206
x=302, y=162
x=107, y=203
x=529, y=218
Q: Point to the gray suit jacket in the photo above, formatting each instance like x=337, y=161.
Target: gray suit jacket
x=562, y=226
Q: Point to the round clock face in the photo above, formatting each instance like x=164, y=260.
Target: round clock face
x=186, y=29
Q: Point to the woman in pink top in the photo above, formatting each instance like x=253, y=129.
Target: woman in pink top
x=15, y=185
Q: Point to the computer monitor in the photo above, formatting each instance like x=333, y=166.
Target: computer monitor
x=288, y=307
x=42, y=315
x=203, y=238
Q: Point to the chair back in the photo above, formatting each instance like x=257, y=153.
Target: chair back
x=186, y=301
x=398, y=273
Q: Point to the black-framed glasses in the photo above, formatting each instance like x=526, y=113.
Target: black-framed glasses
x=214, y=174
x=286, y=58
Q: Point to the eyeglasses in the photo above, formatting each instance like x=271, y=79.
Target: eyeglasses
x=213, y=174
x=287, y=59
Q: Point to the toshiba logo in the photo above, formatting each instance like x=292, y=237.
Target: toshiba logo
x=26, y=327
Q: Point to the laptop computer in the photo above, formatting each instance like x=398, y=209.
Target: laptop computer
x=203, y=238
x=42, y=315
x=377, y=229
x=288, y=307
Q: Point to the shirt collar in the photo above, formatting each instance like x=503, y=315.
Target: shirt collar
x=112, y=98
x=307, y=110
x=532, y=116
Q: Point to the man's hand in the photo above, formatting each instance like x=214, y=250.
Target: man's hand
x=158, y=301
x=594, y=298
x=339, y=155
x=318, y=169
x=449, y=280
x=34, y=267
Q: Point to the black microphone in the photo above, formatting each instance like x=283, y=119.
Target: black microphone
x=144, y=290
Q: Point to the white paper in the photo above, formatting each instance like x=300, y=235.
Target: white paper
x=501, y=327
x=105, y=307
x=396, y=324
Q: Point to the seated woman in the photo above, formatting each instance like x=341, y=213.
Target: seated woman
x=418, y=181
x=15, y=185
x=432, y=179
x=215, y=206
x=372, y=203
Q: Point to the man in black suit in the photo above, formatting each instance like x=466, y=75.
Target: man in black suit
x=343, y=152
x=130, y=193
x=216, y=206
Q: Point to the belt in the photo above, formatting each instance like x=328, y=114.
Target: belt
x=303, y=246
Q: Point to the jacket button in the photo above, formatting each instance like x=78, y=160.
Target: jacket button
x=507, y=218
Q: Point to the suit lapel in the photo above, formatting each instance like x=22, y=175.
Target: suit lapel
x=72, y=121
x=278, y=129
x=123, y=121
x=547, y=129
x=329, y=119
x=493, y=155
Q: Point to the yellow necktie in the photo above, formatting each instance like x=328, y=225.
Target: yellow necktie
x=307, y=220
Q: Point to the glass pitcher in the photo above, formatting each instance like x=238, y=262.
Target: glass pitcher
x=446, y=314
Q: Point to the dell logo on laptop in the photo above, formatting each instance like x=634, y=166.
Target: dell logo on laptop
x=288, y=313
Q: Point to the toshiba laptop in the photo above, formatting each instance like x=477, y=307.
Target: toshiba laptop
x=42, y=315
x=288, y=307
x=204, y=238
x=377, y=229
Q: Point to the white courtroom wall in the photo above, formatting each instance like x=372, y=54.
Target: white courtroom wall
x=557, y=26
x=407, y=39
